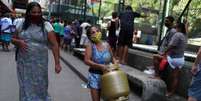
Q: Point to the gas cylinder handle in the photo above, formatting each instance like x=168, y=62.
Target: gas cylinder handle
x=113, y=67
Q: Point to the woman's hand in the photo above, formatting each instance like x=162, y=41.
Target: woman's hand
x=22, y=45
x=105, y=69
x=116, y=61
x=57, y=68
x=194, y=69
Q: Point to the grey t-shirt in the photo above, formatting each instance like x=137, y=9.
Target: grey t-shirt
x=179, y=41
x=166, y=40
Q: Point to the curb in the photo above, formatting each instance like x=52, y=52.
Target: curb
x=81, y=76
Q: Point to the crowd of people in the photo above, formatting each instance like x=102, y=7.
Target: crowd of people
x=32, y=33
x=7, y=28
x=70, y=34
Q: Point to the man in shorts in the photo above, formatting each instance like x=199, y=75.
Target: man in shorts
x=126, y=33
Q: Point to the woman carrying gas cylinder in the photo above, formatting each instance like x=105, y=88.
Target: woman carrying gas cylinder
x=98, y=55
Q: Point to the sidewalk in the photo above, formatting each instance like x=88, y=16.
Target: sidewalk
x=65, y=86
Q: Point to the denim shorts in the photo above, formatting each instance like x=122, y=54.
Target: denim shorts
x=94, y=80
x=176, y=62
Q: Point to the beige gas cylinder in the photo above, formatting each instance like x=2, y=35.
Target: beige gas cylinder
x=114, y=84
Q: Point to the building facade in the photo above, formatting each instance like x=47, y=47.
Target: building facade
x=6, y=6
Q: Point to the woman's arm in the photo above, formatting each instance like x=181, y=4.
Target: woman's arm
x=20, y=43
x=55, y=50
x=194, y=69
x=88, y=61
x=168, y=50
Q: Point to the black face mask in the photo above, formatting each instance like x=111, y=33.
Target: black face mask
x=167, y=24
x=36, y=19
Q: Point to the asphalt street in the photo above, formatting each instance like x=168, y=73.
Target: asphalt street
x=65, y=86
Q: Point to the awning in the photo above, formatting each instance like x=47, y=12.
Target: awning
x=4, y=8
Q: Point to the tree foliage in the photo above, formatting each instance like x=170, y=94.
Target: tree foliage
x=193, y=14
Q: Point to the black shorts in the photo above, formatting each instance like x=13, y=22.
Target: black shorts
x=112, y=41
x=125, y=38
x=61, y=36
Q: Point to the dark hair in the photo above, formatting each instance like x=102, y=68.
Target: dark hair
x=114, y=14
x=129, y=8
x=182, y=27
x=27, y=22
x=88, y=32
x=171, y=18
x=57, y=20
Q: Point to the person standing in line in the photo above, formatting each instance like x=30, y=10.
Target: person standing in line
x=31, y=39
x=84, y=40
x=126, y=32
x=169, y=23
x=98, y=55
x=0, y=24
x=195, y=87
x=79, y=32
x=112, y=27
x=61, y=35
x=68, y=35
x=175, y=57
x=57, y=30
x=139, y=32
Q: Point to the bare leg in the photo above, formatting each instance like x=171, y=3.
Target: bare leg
x=7, y=46
x=191, y=99
x=156, y=61
x=95, y=95
x=174, y=77
x=3, y=46
x=117, y=53
x=120, y=53
x=114, y=52
x=125, y=54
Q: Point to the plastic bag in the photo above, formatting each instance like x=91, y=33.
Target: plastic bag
x=163, y=64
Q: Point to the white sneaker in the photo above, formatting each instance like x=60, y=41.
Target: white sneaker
x=149, y=71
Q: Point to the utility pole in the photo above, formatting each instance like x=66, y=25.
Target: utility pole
x=58, y=8
x=85, y=9
x=162, y=22
x=99, y=10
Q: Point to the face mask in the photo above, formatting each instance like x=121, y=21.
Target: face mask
x=36, y=19
x=97, y=37
x=167, y=24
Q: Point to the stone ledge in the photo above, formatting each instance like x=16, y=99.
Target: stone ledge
x=75, y=65
x=141, y=60
x=150, y=88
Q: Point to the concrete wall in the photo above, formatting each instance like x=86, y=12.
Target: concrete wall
x=140, y=60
